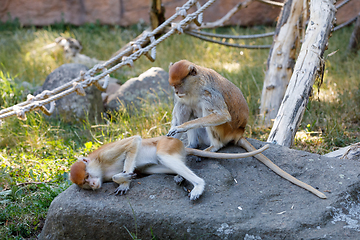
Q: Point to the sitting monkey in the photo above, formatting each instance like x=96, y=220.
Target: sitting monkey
x=213, y=111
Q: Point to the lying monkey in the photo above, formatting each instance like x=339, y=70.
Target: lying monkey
x=213, y=111
x=118, y=160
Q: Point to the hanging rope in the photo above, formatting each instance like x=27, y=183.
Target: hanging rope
x=262, y=35
x=201, y=34
x=342, y=4
x=192, y=33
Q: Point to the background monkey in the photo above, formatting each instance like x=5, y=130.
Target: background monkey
x=213, y=111
x=117, y=161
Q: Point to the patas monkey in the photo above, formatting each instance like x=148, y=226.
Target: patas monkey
x=213, y=111
x=117, y=161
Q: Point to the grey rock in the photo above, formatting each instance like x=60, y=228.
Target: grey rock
x=150, y=87
x=243, y=199
x=351, y=152
x=74, y=107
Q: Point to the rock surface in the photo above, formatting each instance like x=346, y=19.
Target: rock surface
x=350, y=152
x=243, y=199
x=125, y=13
x=151, y=87
x=74, y=107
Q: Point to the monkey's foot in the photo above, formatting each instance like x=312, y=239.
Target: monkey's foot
x=178, y=179
x=195, y=158
x=195, y=194
x=122, y=189
x=197, y=191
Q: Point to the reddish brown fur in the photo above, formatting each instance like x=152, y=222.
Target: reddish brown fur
x=78, y=173
x=232, y=95
x=222, y=128
x=117, y=161
x=178, y=72
x=234, y=99
x=170, y=146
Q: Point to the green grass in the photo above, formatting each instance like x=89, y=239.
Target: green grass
x=36, y=154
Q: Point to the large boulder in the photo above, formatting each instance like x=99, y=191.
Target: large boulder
x=149, y=88
x=243, y=199
x=74, y=107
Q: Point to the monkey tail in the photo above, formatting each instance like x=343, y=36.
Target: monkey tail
x=201, y=153
x=245, y=144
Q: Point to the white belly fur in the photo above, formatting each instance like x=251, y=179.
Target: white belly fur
x=146, y=156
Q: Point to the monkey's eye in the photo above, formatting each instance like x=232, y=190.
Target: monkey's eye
x=86, y=179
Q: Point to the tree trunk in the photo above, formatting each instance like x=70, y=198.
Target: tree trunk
x=281, y=61
x=157, y=14
x=354, y=43
x=308, y=66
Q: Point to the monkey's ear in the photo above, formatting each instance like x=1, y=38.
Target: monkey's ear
x=84, y=159
x=192, y=70
x=170, y=64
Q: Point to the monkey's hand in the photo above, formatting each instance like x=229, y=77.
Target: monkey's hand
x=122, y=189
x=175, y=130
x=123, y=177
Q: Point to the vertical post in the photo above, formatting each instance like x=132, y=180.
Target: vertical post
x=281, y=60
x=308, y=66
x=157, y=14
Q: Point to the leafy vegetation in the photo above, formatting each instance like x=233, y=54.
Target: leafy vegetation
x=36, y=154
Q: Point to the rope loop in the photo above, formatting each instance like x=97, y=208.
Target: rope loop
x=45, y=94
x=148, y=34
x=82, y=75
x=199, y=20
x=152, y=55
x=48, y=112
x=136, y=46
x=177, y=27
x=181, y=11
x=106, y=82
x=78, y=88
x=97, y=68
x=128, y=61
x=20, y=113
x=30, y=97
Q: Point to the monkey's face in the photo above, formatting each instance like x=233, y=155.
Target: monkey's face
x=180, y=90
x=183, y=78
x=82, y=175
x=91, y=182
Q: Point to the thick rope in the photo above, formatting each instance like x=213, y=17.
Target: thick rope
x=350, y=21
x=135, y=51
x=342, y=4
x=87, y=79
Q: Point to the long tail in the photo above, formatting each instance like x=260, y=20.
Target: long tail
x=201, y=153
x=245, y=144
